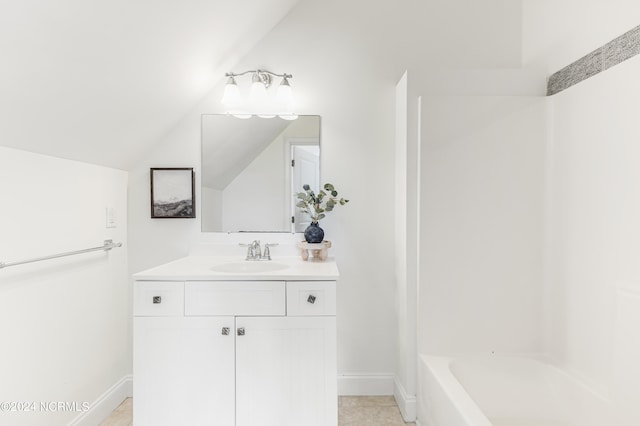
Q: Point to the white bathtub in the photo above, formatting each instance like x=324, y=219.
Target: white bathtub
x=504, y=391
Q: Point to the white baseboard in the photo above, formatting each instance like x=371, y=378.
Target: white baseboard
x=365, y=384
x=406, y=403
x=348, y=385
x=102, y=407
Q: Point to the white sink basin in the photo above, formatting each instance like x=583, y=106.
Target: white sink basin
x=249, y=267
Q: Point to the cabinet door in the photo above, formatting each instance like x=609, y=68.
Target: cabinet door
x=286, y=371
x=183, y=371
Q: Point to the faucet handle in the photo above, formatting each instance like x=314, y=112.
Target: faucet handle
x=267, y=251
x=249, y=250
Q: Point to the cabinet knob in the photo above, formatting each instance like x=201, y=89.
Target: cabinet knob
x=311, y=299
x=241, y=331
x=157, y=299
x=225, y=331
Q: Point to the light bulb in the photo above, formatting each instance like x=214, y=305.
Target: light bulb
x=289, y=117
x=231, y=96
x=258, y=93
x=284, y=95
x=241, y=115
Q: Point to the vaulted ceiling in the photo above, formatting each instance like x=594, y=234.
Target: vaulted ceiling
x=100, y=81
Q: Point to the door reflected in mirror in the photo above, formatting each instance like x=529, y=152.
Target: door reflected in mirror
x=252, y=169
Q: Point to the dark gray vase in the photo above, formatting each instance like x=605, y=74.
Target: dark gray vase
x=314, y=234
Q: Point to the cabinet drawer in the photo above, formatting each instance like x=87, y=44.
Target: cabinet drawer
x=234, y=298
x=311, y=298
x=158, y=298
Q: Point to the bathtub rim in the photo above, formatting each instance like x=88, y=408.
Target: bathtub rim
x=440, y=368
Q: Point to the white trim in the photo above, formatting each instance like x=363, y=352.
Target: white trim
x=406, y=403
x=289, y=190
x=102, y=407
x=374, y=384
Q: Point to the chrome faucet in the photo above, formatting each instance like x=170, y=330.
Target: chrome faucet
x=254, y=251
x=257, y=251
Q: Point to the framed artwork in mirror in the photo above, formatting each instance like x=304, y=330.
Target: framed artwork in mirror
x=173, y=193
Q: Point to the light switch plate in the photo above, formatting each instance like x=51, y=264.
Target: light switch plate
x=111, y=217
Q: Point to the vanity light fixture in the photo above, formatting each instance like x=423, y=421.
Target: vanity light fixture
x=259, y=100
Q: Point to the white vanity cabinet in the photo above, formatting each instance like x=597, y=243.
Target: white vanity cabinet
x=183, y=371
x=244, y=353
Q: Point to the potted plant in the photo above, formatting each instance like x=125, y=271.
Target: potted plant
x=317, y=206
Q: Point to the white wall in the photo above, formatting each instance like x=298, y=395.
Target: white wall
x=591, y=275
x=593, y=280
x=558, y=32
x=345, y=59
x=481, y=225
x=64, y=322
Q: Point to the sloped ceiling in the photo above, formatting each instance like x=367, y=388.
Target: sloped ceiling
x=101, y=80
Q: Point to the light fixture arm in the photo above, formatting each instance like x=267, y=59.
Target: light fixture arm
x=233, y=74
x=262, y=76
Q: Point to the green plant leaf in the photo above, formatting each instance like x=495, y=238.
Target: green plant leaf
x=316, y=205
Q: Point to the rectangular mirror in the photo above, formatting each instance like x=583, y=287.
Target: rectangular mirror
x=252, y=169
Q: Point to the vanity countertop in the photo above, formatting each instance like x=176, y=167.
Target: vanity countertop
x=234, y=268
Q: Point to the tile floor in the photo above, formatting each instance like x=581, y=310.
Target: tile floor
x=369, y=411
x=121, y=416
x=352, y=411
